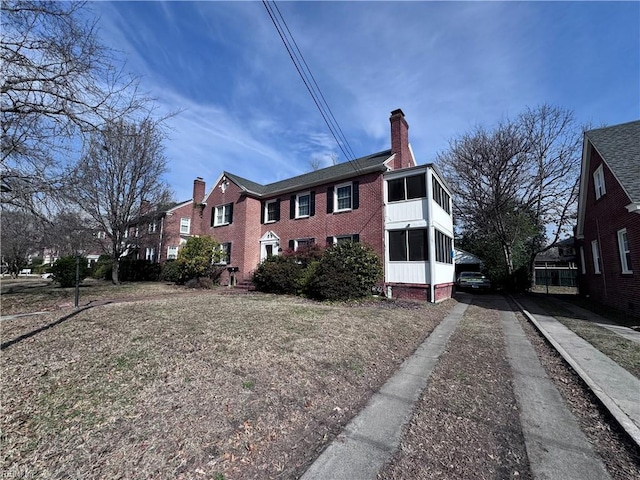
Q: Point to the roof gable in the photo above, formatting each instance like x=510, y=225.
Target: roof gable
x=619, y=147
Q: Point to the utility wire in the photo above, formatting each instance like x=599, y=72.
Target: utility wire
x=318, y=98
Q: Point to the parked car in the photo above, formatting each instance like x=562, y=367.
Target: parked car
x=473, y=281
x=46, y=276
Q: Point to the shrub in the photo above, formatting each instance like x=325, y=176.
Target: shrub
x=64, y=270
x=102, y=268
x=171, y=272
x=346, y=270
x=196, y=260
x=138, y=270
x=278, y=274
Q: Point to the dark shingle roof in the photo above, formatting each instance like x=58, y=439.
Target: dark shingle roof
x=360, y=166
x=619, y=147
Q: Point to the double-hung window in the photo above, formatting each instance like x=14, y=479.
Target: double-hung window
x=408, y=245
x=153, y=227
x=595, y=252
x=625, y=252
x=185, y=225
x=343, y=239
x=301, y=243
x=150, y=254
x=223, y=215
x=343, y=197
x=172, y=253
x=598, y=182
x=272, y=211
x=303, y=205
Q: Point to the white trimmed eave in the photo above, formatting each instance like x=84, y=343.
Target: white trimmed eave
x=633, y=207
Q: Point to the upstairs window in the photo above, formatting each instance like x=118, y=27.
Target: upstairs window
x=408, y=245
x=598, y=182
x=271, y=212
x=302, y=205
x=406, y=188
x=343, y=197
x=222, y=215
x=185, y=225
x=440, y=195
x=153, y=227
x=625, y=252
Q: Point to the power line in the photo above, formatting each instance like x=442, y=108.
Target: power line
x=309, y=81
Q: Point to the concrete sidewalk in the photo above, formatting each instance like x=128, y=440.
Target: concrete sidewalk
x=616, y=388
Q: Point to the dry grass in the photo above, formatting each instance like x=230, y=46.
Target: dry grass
x=205, y=386
x=24, y=295
x=621, y=350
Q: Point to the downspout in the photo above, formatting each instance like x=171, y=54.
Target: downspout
x=604, y=275
x=160, y=241
x=431, y=238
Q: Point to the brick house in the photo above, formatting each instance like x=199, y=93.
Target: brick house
x=400, y=209
x=608, y=229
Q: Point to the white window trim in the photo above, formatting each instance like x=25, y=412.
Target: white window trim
x=598, y=182
x=188, y=226
x=583, y=267
x=623, y=253
x=305, y=194
x=153, y=226
x=335, y=197
x=170, y=255
x=595, y=253
x=296, y=242
x=224, y=249
x=266, y=210
x=224, y=209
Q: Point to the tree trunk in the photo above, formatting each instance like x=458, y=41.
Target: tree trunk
x=115, y=270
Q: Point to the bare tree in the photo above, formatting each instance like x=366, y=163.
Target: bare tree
x=59, y=84
x=121, y=171
x=21, y=237
x=515, y=181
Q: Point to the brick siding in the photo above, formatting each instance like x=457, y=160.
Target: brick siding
x=603, y=219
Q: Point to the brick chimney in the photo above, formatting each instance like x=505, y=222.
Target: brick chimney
x=198, y=190
x=400, y=140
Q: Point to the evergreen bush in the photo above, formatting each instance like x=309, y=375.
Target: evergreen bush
x=64, y=270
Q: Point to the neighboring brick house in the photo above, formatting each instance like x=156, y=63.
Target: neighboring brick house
x=608, y=229
x=557, y=266
x=400, y=209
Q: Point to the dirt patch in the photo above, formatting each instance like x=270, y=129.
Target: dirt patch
x=207, y=386
x=466, y=423
x=619, y=454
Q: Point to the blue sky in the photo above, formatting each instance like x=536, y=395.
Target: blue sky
x=450, y=66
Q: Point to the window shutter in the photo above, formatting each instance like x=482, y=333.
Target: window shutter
x=231, y=213
x=312, y=241
x=329, y=241
x=330, y=200
x=213, y=215
x=262, y=205
x=278, y=210
x=356, y=238
x=312, y=204
x=356, y=195
x=292, y=207
x=229, y=252
x=292, y=244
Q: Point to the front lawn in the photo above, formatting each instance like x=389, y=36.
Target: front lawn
x=199, y=386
